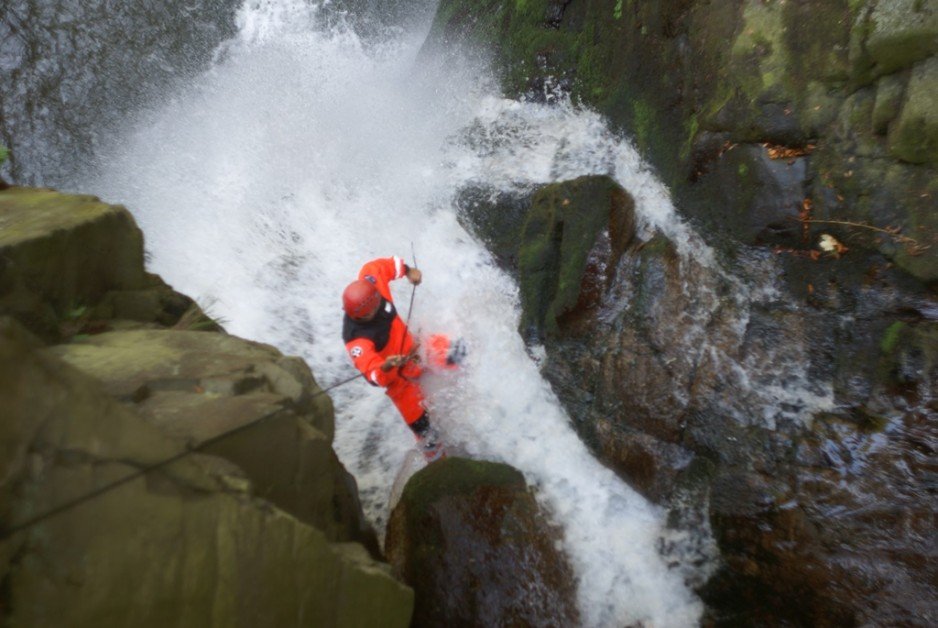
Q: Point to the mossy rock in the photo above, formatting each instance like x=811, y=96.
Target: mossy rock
x=901, y=34
x=908, y=360
x=574, y=235
x=914, y=136
x=196, y=385
x=889, y=93
x=762, y=196
x=61, y=251
x=497, y=218
x=471, y=540
x=182, y=546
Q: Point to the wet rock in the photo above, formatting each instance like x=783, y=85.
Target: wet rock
x=795, y=390
x=573, y=237
x=72, y=69
x=763, y=195
x=185, y=545
x=563, y=241
x=674, y=74
x=497, y=218
x=470, y=539
x=889, y=92
x=708, y=417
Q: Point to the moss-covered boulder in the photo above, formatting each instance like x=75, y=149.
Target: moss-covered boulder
x=471, y=540
x=899, y=33
x=562, y=240
x=183, y=546
x=70, y=261
x=195, y=386
x=914, y=136
x=572, y=239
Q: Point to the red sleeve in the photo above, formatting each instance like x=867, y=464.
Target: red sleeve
x=383, y=271
x=368, y=361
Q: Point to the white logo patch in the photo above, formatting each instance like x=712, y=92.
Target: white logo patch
x=355, y=352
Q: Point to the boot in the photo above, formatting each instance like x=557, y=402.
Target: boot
x=430, y=445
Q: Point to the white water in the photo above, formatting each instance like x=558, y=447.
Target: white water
x=303, y=154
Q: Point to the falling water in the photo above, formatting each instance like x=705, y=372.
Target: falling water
x=303, y=153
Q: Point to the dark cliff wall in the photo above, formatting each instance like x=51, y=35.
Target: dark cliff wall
x=711, y=91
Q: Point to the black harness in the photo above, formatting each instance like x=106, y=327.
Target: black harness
x=377, y=330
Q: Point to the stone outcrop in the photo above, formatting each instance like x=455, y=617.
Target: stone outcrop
x=471, y=540
x=70, y=261
x=195, y=386
x=186, y=545
x=259, y=525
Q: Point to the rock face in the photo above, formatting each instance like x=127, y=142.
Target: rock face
x=842, y=92
x=196, y=385
x=802, y=437
x=774, y=124
x=469, y=538
x=572, y=235
x=184, y=546
x=262, y=527
x=74, y=68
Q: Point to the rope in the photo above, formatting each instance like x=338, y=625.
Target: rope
x=410, y=308
x=7, y=532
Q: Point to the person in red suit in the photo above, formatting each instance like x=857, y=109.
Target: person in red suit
x=381, y=347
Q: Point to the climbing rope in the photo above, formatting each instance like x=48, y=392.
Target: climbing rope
x=9, y=531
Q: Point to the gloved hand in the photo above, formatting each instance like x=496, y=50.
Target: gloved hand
x=393, y=361
x=414, y=276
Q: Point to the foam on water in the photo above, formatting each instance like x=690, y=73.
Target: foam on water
x=303, y=154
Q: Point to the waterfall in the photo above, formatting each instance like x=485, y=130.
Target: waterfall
x=265, y=183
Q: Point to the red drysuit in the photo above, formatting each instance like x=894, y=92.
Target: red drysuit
x=369, y=343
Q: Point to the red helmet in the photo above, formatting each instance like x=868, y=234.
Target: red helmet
x=360, y=299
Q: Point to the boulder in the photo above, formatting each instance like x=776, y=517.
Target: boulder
x=471, y=540
x=184, y=545
x=900, y=34
x=195, y=386
x=914, y=137
x=572, y=239
x=67, y=261
x=562, y=240
x=497, y=219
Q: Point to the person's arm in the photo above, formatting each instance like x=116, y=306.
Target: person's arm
x=386, y=269
x=369, y=362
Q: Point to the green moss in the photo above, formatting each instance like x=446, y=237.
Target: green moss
x=891, y=337
x=30, y=213
x=643, y=120
x=617, y=11
x=454, y=476
x=4, y=153
x=691, y=126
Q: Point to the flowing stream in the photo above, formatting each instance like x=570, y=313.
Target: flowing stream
x=303, y=152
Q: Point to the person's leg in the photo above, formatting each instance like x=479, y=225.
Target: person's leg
x=408, y=398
